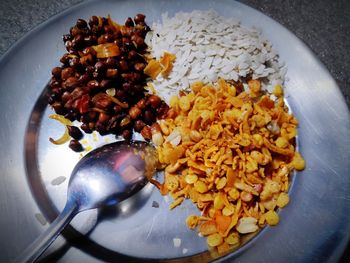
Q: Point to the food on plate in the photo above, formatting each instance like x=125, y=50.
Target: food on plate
x=65, y=137
x=207, y=47
x=101, y=82
x=163, y=66
x=228, y=140
x=231, y=153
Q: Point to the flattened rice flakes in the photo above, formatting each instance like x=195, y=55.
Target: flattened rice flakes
x=231, y=153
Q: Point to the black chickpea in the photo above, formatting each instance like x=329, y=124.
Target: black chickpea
x=138, y=126
x=127, y=134
x=76, y=146
x=81, y=23
x=139, y=18
x=56, y=72
x=129, y=22
x=106, y=94
x=75, y=132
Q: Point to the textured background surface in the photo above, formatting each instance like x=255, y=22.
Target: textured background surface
x=324, y=26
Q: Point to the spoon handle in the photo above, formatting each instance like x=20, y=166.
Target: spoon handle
x=38, y=247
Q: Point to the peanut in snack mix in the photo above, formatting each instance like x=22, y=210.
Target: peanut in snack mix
x=231, y=154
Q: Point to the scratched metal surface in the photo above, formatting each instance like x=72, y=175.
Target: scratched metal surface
x=314, y=227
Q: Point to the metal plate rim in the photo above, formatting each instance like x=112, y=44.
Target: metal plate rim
x=4, y=59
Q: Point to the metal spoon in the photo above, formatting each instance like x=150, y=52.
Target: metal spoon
x=105, y=176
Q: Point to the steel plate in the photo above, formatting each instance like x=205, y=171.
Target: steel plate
x=315, y=226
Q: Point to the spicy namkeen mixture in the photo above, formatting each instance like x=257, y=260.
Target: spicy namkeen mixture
x=231, y=153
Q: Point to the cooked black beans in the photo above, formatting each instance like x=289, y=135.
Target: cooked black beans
x=76, y=146
x=78, y=87
x=56, y=72
x=75, y=132
x=139, y=18
x=129, y=22
x=127, y=134
x=138, y=125
x=81, y=23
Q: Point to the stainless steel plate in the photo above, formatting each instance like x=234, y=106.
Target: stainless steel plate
x=315, y=226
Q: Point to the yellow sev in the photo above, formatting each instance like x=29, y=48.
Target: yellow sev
x=231, y=154
x=65, y=137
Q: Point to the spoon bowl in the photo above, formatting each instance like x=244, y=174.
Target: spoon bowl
x=103, y=177
x=108, y=175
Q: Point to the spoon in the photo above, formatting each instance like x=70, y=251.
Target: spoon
x=105, y=176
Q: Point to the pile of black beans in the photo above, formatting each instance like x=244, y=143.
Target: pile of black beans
x=78, y=87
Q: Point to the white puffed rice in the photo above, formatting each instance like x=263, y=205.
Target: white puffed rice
x=207, y=47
